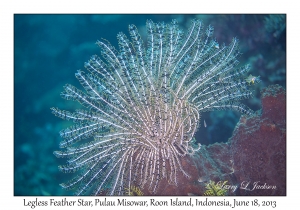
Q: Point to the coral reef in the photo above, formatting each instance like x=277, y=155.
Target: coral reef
x=142, y=106
x=255, y=156
x=59, y=39
x=258, y=145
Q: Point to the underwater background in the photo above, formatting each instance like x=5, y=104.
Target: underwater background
x=49, y=49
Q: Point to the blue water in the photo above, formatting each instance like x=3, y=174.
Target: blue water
x=49, y=49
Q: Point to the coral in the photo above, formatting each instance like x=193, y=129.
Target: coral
x=254, y=156
x=213, y=189
x=134, y=191
x=258, y=145
x=143, y=105
x=210, y=163
x=275, y=24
